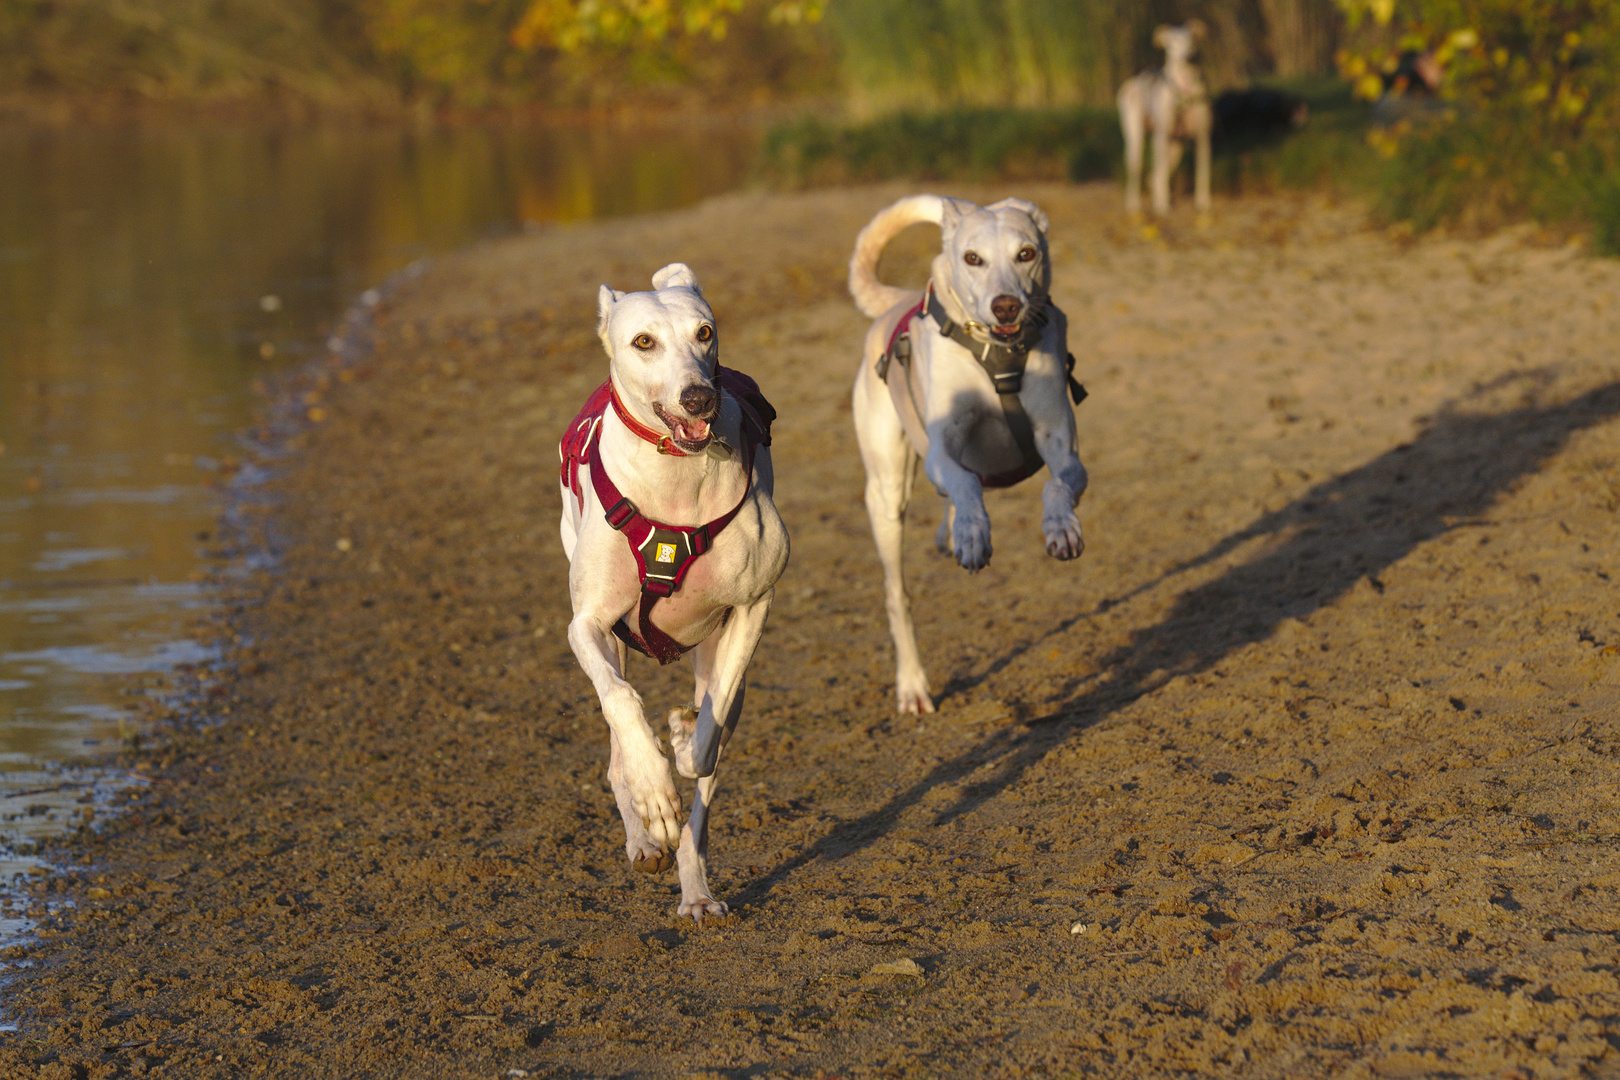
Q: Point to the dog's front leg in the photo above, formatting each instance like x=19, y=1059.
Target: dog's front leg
x=719, y=663
x=1166, y=151
x=697, y=737
x=1133, y=124
x=637, y=769
x=970, y=526
x=1061, y=494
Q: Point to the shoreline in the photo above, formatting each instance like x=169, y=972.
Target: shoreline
x=1227, y=744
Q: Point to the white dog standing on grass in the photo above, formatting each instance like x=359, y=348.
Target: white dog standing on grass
x=674, y=544
x=971, y=377
x=1171, y=104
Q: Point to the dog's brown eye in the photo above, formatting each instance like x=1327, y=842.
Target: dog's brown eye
x=972, y=259
x=642, y=341
x=1026, y=254
x=705, y=332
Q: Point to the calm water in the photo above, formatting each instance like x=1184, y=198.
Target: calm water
x=147, y=278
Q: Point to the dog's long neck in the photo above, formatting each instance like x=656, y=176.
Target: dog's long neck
x=686, y=490
x=1183, y=74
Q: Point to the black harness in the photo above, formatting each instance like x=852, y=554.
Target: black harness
x=1003, y=360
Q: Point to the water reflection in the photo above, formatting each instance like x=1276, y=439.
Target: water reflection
x=147, y=278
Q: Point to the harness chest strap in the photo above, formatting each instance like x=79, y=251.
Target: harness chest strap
x=1004, y=362
x=663, y=553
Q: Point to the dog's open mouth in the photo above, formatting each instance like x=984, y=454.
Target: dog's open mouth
x=691, y=435
x=1007, y=332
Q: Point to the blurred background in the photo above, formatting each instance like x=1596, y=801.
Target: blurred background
x=193, y=191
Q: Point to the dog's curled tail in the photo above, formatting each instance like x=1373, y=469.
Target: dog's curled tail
x=871, y=295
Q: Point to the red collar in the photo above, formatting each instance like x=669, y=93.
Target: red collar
x=665, y=443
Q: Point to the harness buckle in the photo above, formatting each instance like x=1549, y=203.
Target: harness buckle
x=621, y=513
x=658, y=587
x=699, y=539
x=1008, y=382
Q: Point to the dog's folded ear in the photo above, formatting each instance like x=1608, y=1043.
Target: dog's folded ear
x=676, y=276
x=951, y=213
x=1158, y=35
x=605, y=299
x=1036, y=214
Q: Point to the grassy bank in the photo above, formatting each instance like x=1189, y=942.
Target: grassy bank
x=1439, y=168
x=1081, y=143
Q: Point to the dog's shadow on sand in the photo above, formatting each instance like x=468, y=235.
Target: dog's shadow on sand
x=1340, y=531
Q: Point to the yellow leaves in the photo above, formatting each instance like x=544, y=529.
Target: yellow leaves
x=1369, y=87
x=543, y=24
x=575, y=25
x=797, y=12
x=1387, y=141
x=1382, y=11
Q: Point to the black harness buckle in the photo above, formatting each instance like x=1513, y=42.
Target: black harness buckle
x=1008, y=382
x=621, y=513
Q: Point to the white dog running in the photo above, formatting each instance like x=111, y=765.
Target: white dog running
x=674, y=545
x=1173, y=105
x=972, y=376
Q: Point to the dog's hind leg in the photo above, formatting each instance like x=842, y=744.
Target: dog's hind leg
x=1201, y=169
x=891, y=468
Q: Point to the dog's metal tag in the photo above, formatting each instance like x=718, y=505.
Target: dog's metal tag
x=719, y=449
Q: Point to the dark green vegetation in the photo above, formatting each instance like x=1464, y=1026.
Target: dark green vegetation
x=1079, y=143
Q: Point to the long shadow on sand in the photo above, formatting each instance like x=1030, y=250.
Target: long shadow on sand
x=1341, y=531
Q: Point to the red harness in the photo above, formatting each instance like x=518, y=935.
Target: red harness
x=663, y=553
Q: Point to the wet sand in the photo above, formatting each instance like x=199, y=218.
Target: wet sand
x=1308, y=767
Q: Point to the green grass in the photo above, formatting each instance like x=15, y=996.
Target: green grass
x=1470, y=173
x=1076, y=144
x=965, y=144
x=1480, y=173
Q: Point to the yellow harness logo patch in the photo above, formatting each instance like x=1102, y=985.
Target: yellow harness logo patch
x=665, y=553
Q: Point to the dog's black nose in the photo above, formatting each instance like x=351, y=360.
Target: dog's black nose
x=700, y=399
x=1006, y=309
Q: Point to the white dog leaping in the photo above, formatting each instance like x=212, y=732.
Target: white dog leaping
x=674, y=544
x=1171, y=104
x=972, y=377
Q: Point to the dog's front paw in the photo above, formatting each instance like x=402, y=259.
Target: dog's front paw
x=1063, y=539
x=649, y=858
x=911, y=693
x=656, y=802
x=702, y=907
x=972, y=543
x=682, y=727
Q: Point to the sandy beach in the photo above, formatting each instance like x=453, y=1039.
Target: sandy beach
x=1308, y=767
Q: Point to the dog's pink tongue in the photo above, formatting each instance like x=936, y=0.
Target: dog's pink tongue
x=693, y=430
